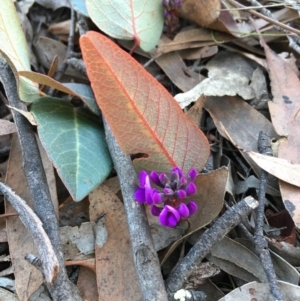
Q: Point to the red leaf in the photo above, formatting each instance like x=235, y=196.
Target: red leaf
x=144, y=117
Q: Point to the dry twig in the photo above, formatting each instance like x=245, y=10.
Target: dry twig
x=61, y=288
x=261, y=245
x=144, y=253
x=219, y=229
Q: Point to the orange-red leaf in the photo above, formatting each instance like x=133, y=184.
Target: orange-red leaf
x=144, y=117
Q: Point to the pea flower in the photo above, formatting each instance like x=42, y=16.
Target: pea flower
x=167, y=197
x=171, y=14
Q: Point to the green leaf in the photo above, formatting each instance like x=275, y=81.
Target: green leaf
x=13, y=47
x=80, y=7
x=75, y=143
x=139, y=20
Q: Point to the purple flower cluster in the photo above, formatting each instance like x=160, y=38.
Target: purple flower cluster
x=171, y=14
x=167, y=201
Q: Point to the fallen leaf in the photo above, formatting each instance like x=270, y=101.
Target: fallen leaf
x=228, y=74
x=261, y=292
x=47, y=81
x=241, y=126
x=141, y=20
x=78, y=242
x=87, y=284
x=237, y=260
x=192, y=38
x=116, y=273
x=132, y=101
x=284, y=110
x=26, y=114
x=177, y=71
x=212, y=292
x=283, y=269
x=7, y=296
x=47, y=49
x=198, y=53
x=7, y=127
x=280, y=168
x=27, y=277
x=61, y=30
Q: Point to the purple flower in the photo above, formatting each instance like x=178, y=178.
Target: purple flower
x=167, y=201
x=171, y=14
x=145, y=193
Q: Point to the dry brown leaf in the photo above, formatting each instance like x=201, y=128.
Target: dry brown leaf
x=228, y=74
x=198, y=53
x=26, y=114
x=86, y=263
x=7, y=127
x=87, y=284
x=284, y=110
x=280, y=168
x=202, y=12
x=192, y=38
x=61, y=30
x=195, y=112
x=175, y=68
x=27, y=277
x=116, y=274
x=261, y=292
x=113, y=184
x=73, y=213
x=46, y=49
x=78, y=242
x=241, y=124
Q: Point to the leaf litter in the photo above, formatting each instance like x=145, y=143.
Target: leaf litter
x=230, y=83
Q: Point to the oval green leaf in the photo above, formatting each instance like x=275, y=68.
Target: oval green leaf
x=141, y=20
x=75, y=143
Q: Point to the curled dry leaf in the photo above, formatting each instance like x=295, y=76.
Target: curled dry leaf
x=229, y=74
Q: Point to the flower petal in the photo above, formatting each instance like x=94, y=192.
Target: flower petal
x=178, y=171
x=142, y=178
x=191, y=189
x=192, y=207
x=183, y=210
x=156, y=197
x=192, y=174
x=180, y=194
x=155, y=210
x=168, y=191
x=169, y=216
x=148, y=196
x=163, y=179
x=154, y=176
x=139, y=195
